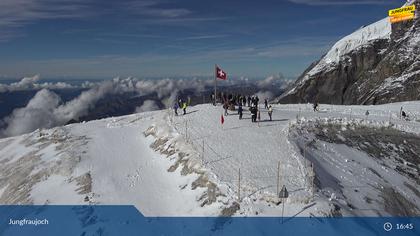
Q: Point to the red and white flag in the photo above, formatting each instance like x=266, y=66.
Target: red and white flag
x=222, y=119
x=220, y=74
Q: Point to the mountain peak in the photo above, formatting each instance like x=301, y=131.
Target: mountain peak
x=364, y=67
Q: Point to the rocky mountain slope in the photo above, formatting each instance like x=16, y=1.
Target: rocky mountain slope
x=377, y=64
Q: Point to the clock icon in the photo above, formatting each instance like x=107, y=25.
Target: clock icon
x=387, y=226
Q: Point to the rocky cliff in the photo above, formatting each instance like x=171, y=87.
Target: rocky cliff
x=379, y=63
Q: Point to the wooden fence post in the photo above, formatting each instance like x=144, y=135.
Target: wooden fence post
x=202, y=156
x=186, y=131
x=278, y=178
x=239, y=186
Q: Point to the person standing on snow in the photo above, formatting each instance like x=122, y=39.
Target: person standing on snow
x=253, y=110
x=240, y=111
x=225, y=107
x=255, y=101
x=316, y=106
x=184, y=108
x=270, y=112
x=180, y=103
x=176, y=108
x=403, y=114
x=265, y=103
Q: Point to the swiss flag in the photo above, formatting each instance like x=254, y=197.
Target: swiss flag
x=220, y=74
x=222, y=119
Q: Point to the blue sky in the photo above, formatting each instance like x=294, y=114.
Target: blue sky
x=143, y=38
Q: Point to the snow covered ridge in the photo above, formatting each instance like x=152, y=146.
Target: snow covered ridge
x=48, y=157
x=168, y=142
x=366, y=34
x=408, y=127
x=358, y=39
x=156, y=161
x=100, y=162
x=384, y=159
x=346, y=56
x=361, y=37
x=110, y=161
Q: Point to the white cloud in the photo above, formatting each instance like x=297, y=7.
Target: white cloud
x=264, y=95
x=46, y=110
x=200, y=37
x=17, y=13
x=31, y=83
x=148, y=105
x=154, y=8
x=38, y=113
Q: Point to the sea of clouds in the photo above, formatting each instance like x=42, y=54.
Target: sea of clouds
x=46, y=109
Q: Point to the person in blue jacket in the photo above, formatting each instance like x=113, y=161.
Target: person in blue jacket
x=176, y=108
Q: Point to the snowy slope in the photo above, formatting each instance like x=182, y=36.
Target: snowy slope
x=366, y=34
x=99, y=162
x=155, y=161
x=363, y=36
x=376, y=64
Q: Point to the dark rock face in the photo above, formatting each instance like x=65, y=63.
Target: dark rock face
x=382, y=71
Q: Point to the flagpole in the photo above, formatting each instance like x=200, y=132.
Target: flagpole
x=215, y=84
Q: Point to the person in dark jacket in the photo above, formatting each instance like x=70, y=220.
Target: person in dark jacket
x=254, y=111
x=266, y=104
x=240, y=111
x=316, y=106
x=404, y=115
x=176, y=108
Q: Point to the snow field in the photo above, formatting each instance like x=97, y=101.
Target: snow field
x=123, y=168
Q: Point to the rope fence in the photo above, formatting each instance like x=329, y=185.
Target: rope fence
x=245, y=180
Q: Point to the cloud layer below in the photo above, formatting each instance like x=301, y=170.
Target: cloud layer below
x=46, y=109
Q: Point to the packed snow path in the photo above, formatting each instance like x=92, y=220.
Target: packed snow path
x=254, y=148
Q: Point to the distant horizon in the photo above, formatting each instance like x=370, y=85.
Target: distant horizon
x=83, y=78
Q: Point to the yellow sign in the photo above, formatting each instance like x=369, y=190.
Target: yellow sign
x=401, y=18
x=403, y=11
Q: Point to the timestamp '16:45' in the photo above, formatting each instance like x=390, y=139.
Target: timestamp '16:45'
x=407, y=226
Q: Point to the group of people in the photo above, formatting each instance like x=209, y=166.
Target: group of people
x=230, y=102
x=237, y=99
x=256, y=113
x=181, y=104
x=251, y=101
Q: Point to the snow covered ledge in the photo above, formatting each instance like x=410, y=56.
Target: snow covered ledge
x=186, y=156
x=171, y=144
x=383, y=154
